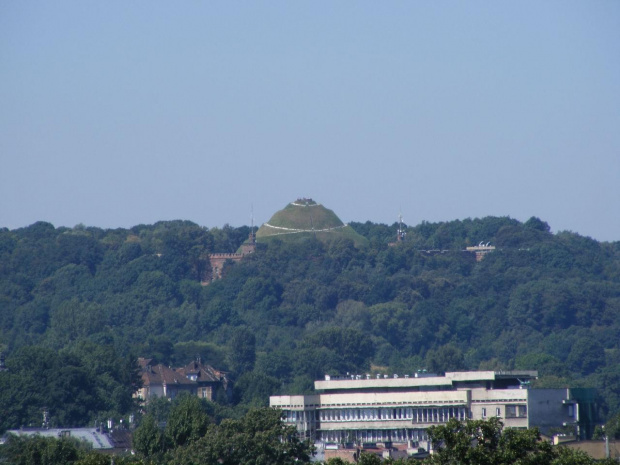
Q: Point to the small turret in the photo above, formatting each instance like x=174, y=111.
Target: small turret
x=250, y=245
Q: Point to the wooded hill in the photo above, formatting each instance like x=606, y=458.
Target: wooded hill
x=77, y=305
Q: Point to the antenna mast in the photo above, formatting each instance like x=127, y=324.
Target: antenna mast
x=400, y=235
x=252, y=235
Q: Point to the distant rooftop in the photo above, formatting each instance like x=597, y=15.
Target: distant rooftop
x=423, y=379
x=93, y=436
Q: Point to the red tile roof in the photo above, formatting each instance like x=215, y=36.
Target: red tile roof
x=161, y=374
x=203, y=373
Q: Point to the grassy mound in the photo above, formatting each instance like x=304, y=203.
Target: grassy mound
x=305, y=218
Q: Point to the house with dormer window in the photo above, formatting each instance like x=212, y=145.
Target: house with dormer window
x=195, y=378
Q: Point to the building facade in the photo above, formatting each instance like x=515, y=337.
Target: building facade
x=365, y=409
x=195, y=378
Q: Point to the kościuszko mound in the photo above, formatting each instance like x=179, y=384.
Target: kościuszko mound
x=304, y=218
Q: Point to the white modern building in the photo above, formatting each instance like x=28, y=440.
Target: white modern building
x=366, y=409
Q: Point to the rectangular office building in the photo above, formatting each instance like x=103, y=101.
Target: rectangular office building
x=365, y=409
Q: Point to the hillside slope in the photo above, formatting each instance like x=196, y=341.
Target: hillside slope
x=305, y=218
x=295, y=310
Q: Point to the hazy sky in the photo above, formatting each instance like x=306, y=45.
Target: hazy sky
x=116, y=113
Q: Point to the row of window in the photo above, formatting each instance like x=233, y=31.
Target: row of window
x=415, y=415
x=293, y=416
x=512, y=411
x=399, y=435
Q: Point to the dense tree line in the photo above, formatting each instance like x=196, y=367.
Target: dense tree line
x=261, y=438
x=190, y=436
x=486, y=442
x=85, y=301
x=84, y=384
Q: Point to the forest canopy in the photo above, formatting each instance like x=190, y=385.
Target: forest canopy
x=85, y=302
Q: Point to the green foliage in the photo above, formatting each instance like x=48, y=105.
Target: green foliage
x=335, y=350
x=98, y=458
x=254, y=388
x=242, y=351
x=446, y=358
x=369, y=459
x=187, y=421
x=148, y=438
x=537, y=224
x=612, y=427
x=159, y=408
x=39, y=450
x=259, y=438
x=298, y=223
x=76, y=385
x=484, y=442
x=586, y=356
x=84, y=302
x=547, y=365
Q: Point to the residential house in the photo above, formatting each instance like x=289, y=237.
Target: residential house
x=195, y=378
x=208, y=380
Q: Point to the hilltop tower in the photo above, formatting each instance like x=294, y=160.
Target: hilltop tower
x=250, y=245
x=400, y=232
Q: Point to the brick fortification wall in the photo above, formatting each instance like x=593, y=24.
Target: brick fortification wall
x=217, y=260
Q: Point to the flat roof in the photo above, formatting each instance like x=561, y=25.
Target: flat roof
x=362, y=382
x=95, y=438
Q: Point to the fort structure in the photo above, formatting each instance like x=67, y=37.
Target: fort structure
x=218, y=260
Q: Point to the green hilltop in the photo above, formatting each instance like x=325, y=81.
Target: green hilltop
x=305, y=218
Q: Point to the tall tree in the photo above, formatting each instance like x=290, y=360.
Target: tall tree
x=486, y=442
x=259, y=438
x=187, y=422
x=148, y=439
x=242, y=350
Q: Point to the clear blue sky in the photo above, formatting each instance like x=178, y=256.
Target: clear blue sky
x=117, y=113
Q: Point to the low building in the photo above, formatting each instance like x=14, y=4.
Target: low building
x=598, y=450
x=196, y=378
x=362, y=409
x=161, y=381
x=115, y=441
